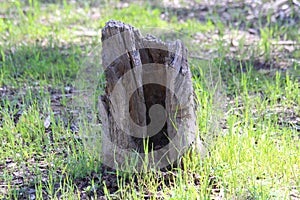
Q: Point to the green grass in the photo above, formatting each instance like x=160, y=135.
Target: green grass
x=248, y=117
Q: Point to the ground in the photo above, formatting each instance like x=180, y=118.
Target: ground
x=245, y=61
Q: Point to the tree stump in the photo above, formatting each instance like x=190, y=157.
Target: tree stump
x=148, y=110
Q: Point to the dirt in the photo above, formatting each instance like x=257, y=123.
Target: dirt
x=229, y=13
x=243, y=21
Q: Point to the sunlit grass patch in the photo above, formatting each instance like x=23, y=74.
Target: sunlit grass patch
x=247, y=115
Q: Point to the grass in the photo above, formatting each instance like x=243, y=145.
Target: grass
x=249, y=117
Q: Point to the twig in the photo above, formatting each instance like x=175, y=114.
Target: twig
x=289, y=42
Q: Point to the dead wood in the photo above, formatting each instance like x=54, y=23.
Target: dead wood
x=148, y=102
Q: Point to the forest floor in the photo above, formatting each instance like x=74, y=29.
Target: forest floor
x=245, y=61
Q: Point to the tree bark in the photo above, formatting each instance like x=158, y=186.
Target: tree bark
x=148, y=104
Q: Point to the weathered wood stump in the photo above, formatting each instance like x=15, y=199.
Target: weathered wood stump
x=148, y=106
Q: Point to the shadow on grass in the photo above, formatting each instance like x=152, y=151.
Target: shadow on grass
x=43, y=73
